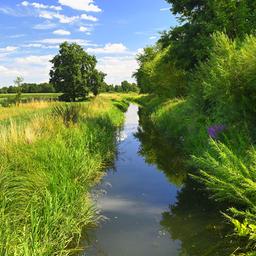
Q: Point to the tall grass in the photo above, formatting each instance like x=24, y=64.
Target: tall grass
x=232, y=178
x=46, y=173
x=23, y=109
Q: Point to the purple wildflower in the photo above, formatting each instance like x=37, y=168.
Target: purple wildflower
x=214, y=130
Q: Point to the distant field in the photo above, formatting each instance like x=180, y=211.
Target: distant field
x=6, y=99
x=31, y=95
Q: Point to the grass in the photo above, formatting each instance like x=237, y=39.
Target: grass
x=48, y=166
x=32, y=95
x=23, y=109
x=11, y=98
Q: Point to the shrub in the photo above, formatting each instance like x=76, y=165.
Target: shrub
x=224, y=87
x=158, y=74
x=70, y=113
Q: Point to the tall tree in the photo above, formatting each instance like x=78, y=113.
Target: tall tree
x=17, y=83
x=199, y=19
x=73, y=72
x=96, y=82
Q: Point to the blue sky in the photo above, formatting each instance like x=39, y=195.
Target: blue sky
x=115, y=31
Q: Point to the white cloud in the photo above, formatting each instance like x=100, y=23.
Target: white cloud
x=140, y=51
x=82, y=5
x=46, y=15
x=38, y=45
x=8, y=49
x=41, y=6
x=25, y=3
x=66, y=19
x=44, y=26
x=62, y=40
x=165, y=9
x=34, y=68
x=109, y=48
x=17, y=36
x=34, y=60
x=153, y=38
x=118, y=68
x=7, y=72
x=11, y=11
x=88, y=17
x=62, y=18
x=33, y=45
x=61, y=32
x=84, y=29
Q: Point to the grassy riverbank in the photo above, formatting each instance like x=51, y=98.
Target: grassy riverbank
x=49, y=163
x=225, y=165
x=212, y=122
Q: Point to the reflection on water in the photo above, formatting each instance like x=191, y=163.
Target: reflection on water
x=197, y=223
x=194, y=220
x=158, y=151
x=151, y=208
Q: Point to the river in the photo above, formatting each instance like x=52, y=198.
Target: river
x=150, y=205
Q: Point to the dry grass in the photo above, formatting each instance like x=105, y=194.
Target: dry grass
x=6, y=113
x=28, y=133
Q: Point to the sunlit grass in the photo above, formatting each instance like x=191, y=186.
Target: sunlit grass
x=13, y=111
x=46, y=173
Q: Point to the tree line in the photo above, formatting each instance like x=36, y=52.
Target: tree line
x=49, y=88
x=29, y=88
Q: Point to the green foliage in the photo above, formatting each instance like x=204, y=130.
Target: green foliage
x=122, y=105
x=7, y=100
x=74, y=73
x=96, y=82
x=17, y=82
x=69, y=113
x=125, y=87
x=228, y=172
x=199, y=20
x=29, y=88
x=232, y=178
x=209, y=58
x=158, y=74
x=178, y=120
x=224, y=87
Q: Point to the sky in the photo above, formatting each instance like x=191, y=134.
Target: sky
x=115, y=31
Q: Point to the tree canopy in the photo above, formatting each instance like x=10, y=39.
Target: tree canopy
x=74, y=73
x=199, y=19
x=165, y=68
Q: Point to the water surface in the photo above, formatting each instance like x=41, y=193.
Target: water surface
x=150, y=207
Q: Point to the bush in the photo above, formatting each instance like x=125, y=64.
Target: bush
x=160, y=75
x=70, y=113
x=224, y=87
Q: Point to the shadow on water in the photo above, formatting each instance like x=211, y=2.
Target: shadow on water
x=198, y=224
x=194, y=220
x=150, y=205
x=156, y=150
